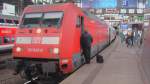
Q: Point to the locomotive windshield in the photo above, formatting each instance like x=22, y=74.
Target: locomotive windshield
x=32, y=20
x=42, y=19
x=52, y=19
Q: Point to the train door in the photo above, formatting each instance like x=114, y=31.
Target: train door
x=77, y=48
x=82, y=23
x=1, y=41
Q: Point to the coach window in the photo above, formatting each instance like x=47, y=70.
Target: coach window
x=6, y=40
x=52, y=19
x=0, y=40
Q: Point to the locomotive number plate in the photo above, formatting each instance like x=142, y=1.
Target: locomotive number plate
x=35, y=50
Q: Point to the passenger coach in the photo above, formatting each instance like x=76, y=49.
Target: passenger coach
x=8, y=26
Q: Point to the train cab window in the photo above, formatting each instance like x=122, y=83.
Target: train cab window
x=32, y=20
x=52, y=19
x=7, y=40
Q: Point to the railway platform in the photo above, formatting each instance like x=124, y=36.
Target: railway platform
x=122, y=65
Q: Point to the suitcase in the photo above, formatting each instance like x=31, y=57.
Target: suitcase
x=99, y=59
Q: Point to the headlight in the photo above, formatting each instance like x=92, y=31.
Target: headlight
x=38, y=31
x=55, y=50
x=18, y=49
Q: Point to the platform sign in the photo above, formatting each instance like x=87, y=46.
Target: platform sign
x=92, y=10
x=131, y=11
x=140, y=11
x=99, y=4
x=8, y=9
x=99, y=11
x=104, y=4
x=111, y=11
x=123, y=11
x=140, y=18
x=127, y=3
x=87, y=4
x=147, y=4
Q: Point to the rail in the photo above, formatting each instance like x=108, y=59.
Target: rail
x=32, y=80
x=11, y=80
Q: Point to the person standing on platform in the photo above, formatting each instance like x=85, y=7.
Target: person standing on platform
x=122, y=37
x=117, y=30
x=129, y=38
x=86, y=41
x=132, y=38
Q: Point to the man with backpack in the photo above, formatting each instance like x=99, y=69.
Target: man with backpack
x=86, y=41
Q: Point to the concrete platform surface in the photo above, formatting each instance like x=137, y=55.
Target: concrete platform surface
x=121, y=66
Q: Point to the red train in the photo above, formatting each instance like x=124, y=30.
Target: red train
x=8, y=25
x=48, y=38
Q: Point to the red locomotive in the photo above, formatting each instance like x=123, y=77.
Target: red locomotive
x=8, y=25
x=48, y=37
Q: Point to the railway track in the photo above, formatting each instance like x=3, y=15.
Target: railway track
x=6, y=71
x=5, y=52
x=6, y=60
x=5, y=56
x=11, y=79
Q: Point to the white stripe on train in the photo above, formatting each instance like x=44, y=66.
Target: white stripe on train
x=7, y=46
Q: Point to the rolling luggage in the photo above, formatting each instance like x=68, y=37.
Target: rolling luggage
x=99, y=59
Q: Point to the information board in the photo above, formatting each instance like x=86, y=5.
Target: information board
x=99, y=3
x=127, y=3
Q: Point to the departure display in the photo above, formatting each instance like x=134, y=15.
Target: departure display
x=99, y=3
x=128, y=4
x=147, y=5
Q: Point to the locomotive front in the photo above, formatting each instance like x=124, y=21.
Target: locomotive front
x=38, y=35
x=38, y=42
